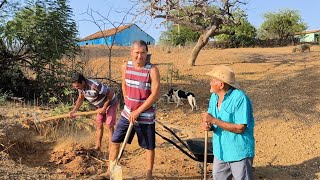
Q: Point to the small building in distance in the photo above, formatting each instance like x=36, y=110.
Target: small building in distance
x=121, y=36
x=311, y=36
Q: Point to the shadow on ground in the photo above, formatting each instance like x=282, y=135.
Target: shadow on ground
x=307, y=170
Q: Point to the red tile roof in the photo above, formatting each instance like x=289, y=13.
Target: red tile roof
x=106, y=33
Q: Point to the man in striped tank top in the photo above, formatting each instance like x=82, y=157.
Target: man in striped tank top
x=102, y=97
x=141, y=89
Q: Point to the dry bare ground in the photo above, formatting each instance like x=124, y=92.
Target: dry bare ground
x=284, y=88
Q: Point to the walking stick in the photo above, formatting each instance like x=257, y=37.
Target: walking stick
x=205, y=155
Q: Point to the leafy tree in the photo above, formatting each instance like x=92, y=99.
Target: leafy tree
x=281, y=25
x=206, y=17
x=180, y=35
x=244, y=34
x=36, y=38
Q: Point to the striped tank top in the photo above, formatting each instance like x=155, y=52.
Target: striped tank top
x=138, y=87
x=95, y=92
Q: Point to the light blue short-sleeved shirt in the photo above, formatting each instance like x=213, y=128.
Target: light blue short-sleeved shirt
x=236, y=108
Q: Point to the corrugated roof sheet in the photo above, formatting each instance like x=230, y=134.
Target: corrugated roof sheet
x=106, y=33
x=308, y=32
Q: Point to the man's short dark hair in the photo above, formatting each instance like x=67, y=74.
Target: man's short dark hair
x=141, y=43
x=77, y=77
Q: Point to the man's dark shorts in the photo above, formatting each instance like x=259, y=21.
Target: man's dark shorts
x=145, y=132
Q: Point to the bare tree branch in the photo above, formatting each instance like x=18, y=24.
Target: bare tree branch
x=101, y=20
x=205, y=16
x=2, y=3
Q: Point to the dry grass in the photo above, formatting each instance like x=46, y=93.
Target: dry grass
x=284, y=88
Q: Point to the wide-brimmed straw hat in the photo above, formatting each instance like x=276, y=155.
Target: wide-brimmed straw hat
x=224, y=74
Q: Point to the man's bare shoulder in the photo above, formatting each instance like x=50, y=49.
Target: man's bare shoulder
x=154, y=68
x=154, y=72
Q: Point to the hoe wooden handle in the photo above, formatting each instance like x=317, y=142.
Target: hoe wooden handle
x=205, y=155
x=65, y=116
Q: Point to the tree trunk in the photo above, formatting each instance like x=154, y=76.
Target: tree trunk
x=110, y=55
x=202, y=41
x=196, y=50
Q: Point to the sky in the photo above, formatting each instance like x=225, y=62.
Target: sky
x=113, y=11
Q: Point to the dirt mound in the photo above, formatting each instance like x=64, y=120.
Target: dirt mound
x=77, y=160
x=284, y=88
x=27, y=152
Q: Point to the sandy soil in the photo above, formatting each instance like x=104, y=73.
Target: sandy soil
x=284, y=89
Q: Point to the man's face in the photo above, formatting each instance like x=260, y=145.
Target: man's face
x=139, y=54
x=215, y=85
x=77, y=85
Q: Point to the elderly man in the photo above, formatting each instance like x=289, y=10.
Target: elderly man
x=230, y=116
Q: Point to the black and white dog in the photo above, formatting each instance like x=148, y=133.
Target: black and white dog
x=168, y=97
x=178, y=95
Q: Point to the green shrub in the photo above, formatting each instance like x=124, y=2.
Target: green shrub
x=4, y=96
